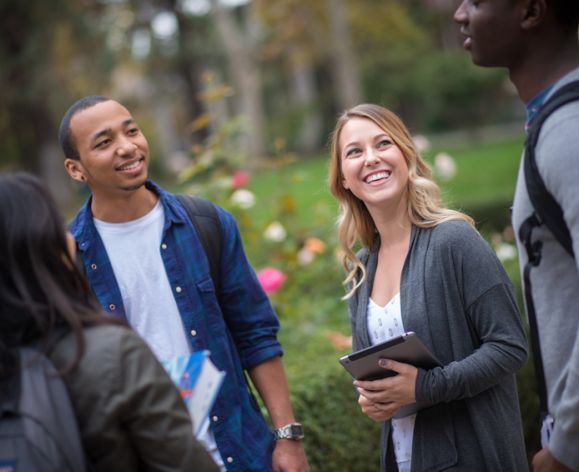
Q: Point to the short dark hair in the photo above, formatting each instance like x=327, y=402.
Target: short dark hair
x=566, y=13
x=64, y=135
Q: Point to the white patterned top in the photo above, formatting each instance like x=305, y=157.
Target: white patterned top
x=385, y=323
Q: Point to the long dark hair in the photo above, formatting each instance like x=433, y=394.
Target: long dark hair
x=42, y=292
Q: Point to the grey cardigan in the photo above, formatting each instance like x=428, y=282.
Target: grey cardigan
x=456, y=296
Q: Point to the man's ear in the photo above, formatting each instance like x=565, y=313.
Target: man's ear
x=534, y=13
x=75, y=169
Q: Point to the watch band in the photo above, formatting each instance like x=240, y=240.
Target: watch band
x=292, y=431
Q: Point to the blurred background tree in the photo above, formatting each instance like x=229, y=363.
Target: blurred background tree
x=292, y=66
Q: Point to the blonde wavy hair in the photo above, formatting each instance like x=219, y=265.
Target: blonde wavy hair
x=354, y=221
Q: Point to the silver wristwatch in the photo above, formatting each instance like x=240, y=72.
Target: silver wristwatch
x=290, y=431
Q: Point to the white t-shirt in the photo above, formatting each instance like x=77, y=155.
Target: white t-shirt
x=134, y=249
x=385, y=323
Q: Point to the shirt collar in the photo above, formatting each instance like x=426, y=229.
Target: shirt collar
x=534, y=105
x=83, y=227
x=171, y=207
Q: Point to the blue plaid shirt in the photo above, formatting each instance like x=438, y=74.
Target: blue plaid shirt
x=239, y=328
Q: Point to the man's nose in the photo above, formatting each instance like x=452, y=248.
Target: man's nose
x=460, y=13
x=126, y=146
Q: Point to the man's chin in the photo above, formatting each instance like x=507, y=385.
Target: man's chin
x=135, y=186
x=481, y=61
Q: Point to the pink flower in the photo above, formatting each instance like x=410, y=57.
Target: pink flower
x=338, y=340
x=239, y=179
x=271, y=279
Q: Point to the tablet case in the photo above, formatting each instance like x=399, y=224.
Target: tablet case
x=407, y=348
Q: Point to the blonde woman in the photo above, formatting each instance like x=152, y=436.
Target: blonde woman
x=424, y=268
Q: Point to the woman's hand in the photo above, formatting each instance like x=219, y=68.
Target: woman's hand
x=381, y=399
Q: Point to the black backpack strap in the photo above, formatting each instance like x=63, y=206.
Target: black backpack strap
x=533, y=250
x=204, y=217
x=10, y=391
x=548, y=212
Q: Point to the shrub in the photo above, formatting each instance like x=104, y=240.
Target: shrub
x=338, y=436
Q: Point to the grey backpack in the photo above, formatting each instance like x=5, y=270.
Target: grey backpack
x=38, y=427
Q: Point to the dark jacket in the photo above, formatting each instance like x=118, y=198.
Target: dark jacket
x=130, y=414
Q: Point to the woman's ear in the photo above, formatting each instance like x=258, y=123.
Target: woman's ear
x=75, y=169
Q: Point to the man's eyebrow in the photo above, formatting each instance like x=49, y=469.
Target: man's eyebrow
x=108, y=131
x=104, y=132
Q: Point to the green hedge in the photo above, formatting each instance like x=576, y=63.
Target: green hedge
x=338, y=437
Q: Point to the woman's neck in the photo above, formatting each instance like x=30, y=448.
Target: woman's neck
x=393, y=227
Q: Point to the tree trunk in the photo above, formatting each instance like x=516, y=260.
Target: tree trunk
x=304, y=94
x=30, y=121
x=246, y=79
x=347, y=74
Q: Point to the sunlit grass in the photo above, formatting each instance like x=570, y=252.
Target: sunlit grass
x=486, y=177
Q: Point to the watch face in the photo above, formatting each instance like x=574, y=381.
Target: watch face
x=296, y=431
x=290, y=431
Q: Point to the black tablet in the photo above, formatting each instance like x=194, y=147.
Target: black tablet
x=407, y=348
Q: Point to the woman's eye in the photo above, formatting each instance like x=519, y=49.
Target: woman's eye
x=384, y=143
x=133, y=131
x=353, y=152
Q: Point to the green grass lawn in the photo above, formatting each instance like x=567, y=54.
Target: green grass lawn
x=486, y=173
x=485, y=178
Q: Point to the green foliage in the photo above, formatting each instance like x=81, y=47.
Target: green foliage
x=338, y=437
x=438, y=90
x=274, y=233
x=452, y=91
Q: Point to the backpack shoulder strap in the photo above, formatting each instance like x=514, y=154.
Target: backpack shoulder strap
x=205, y=219
x=546, y=207
x=44, y=401
x=548, y=212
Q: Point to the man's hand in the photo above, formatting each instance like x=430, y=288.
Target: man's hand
x=270, y=381
x=289, y=456
x=381, y=399
x=544, y=461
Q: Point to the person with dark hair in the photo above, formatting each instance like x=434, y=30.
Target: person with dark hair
x=147, y=264
x=65, y=138
x=424, y=268
x=130, y=414
x=537, y=42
